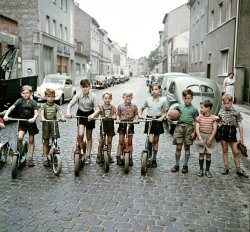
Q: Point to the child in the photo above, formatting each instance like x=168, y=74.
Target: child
x=107, y=110
x=229, y=120
x=157, y=108
x=184, y=131
x=205, y=142
x=88, y=109
x=27, y=109
x=126, y=111
x=49, y=111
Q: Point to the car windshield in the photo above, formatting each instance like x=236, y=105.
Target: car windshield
x=99, y=78
x=54, y=80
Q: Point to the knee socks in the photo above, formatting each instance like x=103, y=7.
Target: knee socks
x=201, y=162
x=186, y=159
x=154, y=153
x=208, y=162
x=177, y=157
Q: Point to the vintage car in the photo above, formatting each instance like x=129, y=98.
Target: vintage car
x=117, y=78
x=110, y=80
x=156, y=77
x=100, y=81
x=122, y=79
x=203, y=88
x=166, y=80
x=60, y=83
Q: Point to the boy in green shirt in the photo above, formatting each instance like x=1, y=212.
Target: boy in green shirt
x=184, y=131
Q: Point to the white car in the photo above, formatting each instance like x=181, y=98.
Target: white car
x=62, y=86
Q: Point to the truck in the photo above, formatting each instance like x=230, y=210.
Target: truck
x=10, y=87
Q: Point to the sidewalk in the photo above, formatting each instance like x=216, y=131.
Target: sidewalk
x=245, y=113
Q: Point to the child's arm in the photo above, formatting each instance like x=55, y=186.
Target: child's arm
x=68, y=115
x=6, y=116
x=136, y=118
x=192, y=136
x=197, y=129
x=114, y=116
x=163, y=116
x=241, y=140
x=209, y=141
x=92, y=116
x=32, y=120
x=42, y=115
x=61, y=115
x=140, y=113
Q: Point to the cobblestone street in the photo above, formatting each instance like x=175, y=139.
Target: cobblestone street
x=96, y=201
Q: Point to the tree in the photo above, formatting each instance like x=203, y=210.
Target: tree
x=153, y=59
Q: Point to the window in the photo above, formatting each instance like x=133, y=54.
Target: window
x=54, y=28
x=223, y=62
x=197, y=11
x=220, y=13
x=209, y=58
x=194, y=88
x=47, y=24
x=54, y=1
x=201, y=51
x=65, y=34
x=212, y=20
x=196, y=53
x=172, y=88
x=61, y=3
x=202, y=8
x=61, y=32
x=62, y=65
x=228, y=10
x=192, y=55
x=66, y=5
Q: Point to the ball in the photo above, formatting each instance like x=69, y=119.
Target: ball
x=174, y=114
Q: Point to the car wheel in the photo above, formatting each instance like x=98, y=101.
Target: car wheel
x=61, y=100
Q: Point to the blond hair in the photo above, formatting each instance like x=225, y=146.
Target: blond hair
x=227, y=97
x=108, y=93
x=127, y=92
x=49, y=91
x=26, y=87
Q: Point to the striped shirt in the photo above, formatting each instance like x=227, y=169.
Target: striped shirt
x=51, y=111
x=206, y=123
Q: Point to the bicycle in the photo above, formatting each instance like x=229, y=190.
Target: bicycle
x=18, y=157
x=146, y=155
x=104, y=150
x=126, y=152
x=5, y=149
x=54, y=157
x=79, y=157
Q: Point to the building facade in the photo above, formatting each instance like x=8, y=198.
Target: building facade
x=133, y=67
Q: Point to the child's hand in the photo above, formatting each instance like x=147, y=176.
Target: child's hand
x=90, y=117
x=241, y=140
x=159, y=119
x=192, y=136
x=209, y=143
x=140, y=116
x=5, y=118
x=136, y=122
x=63, y=119
x=201, y=143
x=31, y=120
x=219, y=124
x=68, y=116
x=43, y=120
x=118, y=121
x=169, y=118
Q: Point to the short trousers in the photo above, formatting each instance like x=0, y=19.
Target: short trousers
x=123, y=127
x=205, y=149
x=156, y=127
x=182, y=134
x=108, y=127
x=227, y=133
x=48, y=130
x=30, y=127
x=84, y=121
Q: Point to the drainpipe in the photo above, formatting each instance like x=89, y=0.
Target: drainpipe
x=236, y=33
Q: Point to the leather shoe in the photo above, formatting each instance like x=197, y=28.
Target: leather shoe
x=185, y=169
x=119, y=161
x=175, y=169
x=154, y=164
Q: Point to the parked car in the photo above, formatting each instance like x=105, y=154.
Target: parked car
x=127, y=78
x=100, y=81
x=122, y=79
x=203, y=88
x=117, y=78
x=109, y=80
x=60, y=83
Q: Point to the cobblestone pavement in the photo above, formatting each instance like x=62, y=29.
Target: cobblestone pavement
x=97, y=201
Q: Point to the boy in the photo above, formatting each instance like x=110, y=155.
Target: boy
x=27, y=109
x=88, y=109
x=157, y=108
x=205, y=142
x=229, y=120
x=184, y=131
x=126, y=111
x=109, y=111
x=49, y=111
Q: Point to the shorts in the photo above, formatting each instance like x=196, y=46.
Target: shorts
x=108, y=127
x=227, y=133
x=205, y=149
x=48, y=130
x=156, y=127
x=84, y=121
x=30, y=127
x=182, y=134
x=123, y=127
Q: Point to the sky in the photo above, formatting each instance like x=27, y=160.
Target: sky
x=135, y=22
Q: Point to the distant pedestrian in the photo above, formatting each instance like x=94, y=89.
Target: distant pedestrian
x=26, y=109
x=108, y=113
x=49, y=111
x=205, y=143
x=88, y=109
x=228, y=85
x=229, y=120
x=184, y=132
x=126, y=111
x=157, y=109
